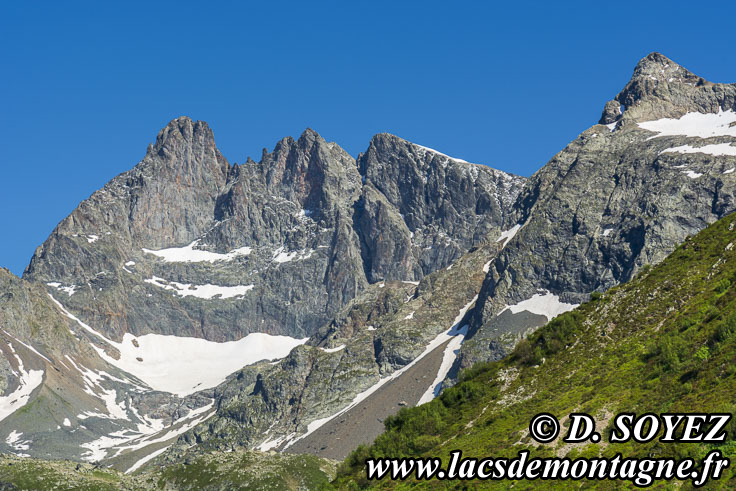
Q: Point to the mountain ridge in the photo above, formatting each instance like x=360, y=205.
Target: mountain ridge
x=362, y=263
x=187, y=250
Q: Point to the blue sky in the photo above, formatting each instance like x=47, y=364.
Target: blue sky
x=85, y=86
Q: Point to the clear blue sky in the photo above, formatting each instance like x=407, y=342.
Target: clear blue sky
x=85, y=86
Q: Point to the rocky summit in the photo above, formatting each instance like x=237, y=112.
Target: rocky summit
x=193, y=307
x=658, y=168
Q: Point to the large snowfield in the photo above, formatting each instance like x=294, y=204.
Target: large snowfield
x=184, y=365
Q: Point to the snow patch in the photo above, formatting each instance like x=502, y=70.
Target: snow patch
x=207, y=292
x=147, y=458
x=448, y=359
x=67, y=423
x=92, y=386
x=410, y=315
x=150, y=432
x=28, y=346
x=188, y=254
x=272, y=443
x=692, y=174
x=28, y=381
x=716, y=149
x=607, y=232
x=333, y=350
x=184, y=365
x=279, y=256
x=14, y=441
x=547, y=304
x=694, y=124
x=427, y=149
x=69, y=290
x=509, y=234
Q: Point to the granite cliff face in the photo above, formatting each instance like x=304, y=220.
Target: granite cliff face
x=658, y=168
x=422, y=209
x=186, y=244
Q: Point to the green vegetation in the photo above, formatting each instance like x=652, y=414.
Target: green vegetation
x=215, y=471
x=665, y=342
x=35, y=474
x=250, y=470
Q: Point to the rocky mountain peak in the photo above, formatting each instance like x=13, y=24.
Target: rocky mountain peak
x=660, y=88
x=185, y=152
x=310, y=170
x=629, y=193
x=652, y=76
x=310, y=135
x=180, y=131
x=658, y=65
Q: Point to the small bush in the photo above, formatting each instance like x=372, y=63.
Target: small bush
x=702, y=354
x=722, y=286
x=559, y=333
x=710, y=312
x=669, y=354
x=527, y=354
x=725, y=329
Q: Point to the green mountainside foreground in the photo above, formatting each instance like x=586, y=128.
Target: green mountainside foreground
x=663, y=343
x=217, y=471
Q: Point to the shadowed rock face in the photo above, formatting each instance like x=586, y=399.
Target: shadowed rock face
x=421, y=210
x=616, y=198
x=291, y=238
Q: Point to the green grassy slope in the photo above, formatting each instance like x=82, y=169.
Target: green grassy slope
x=215, y=471
x=665, y=342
